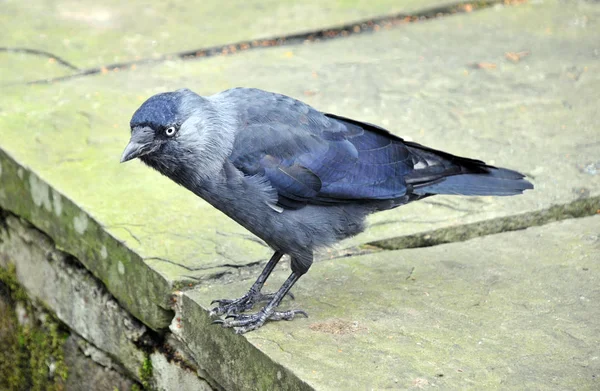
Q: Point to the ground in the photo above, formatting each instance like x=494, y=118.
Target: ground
x=452, y=292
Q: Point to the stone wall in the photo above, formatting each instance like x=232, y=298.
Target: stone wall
x=49, y=299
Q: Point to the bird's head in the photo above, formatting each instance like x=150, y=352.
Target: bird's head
x=182, y=135
x=162, y=129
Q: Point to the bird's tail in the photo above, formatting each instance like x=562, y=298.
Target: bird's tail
x=496, y=182
x=449, y=174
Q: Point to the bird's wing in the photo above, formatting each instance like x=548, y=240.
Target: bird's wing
x=311, y=157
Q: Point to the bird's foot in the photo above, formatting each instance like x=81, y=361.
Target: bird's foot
x=244, y=323
x=244, y=303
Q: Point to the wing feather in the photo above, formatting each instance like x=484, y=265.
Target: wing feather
x=309, y=157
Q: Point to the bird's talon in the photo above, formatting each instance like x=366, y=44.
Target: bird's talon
x=243, y=323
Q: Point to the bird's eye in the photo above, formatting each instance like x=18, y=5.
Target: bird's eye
x=170, y=131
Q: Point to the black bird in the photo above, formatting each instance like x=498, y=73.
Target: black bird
x=297, y=178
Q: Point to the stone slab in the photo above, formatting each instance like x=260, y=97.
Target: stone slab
x=169, y=376
x=19, y=365
x=72, y=294
x=61, y=143
x=103, y=330
x=450, y=83
x=88, y=33
x=86, y=374
x=513, y=311
x=22, y=67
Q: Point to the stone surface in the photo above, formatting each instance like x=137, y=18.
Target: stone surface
x=511, y=311
x=536, y=115
x=32, y=359
x=75, y=297
x=115, y=343
x=87, y=33
x=86, y=374
x=515, y=86
x=23, y=67
x=170, y=376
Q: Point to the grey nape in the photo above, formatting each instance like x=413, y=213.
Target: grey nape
x=297, y=178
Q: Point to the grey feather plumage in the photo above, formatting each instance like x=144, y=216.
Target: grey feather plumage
x=297, y=178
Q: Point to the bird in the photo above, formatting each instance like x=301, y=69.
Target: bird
x=298, y=178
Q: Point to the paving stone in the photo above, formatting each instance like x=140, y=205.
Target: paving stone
x=61, y=143
x=143, y=236
x=89, y=33
x=515, y=86
x=511, y=311
x=22, y=67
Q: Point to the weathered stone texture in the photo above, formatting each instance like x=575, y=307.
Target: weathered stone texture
x=515, y=86
x=91, y=373
x=511, y=311
x=108, y=347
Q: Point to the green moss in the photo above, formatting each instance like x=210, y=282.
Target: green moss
x=146, y=373
x=32, y=353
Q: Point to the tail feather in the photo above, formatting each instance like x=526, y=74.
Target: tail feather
x=496, y=182
x=443, y=173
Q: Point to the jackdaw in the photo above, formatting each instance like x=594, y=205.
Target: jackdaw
x=297, y=178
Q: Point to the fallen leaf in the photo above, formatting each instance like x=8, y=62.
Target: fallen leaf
x=516, y=56
x=484, y=65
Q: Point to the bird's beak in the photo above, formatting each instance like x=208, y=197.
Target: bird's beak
x=132, y=150
x=139, y=145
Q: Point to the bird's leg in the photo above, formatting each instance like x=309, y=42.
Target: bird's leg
x=246, y=302
x=244, y=323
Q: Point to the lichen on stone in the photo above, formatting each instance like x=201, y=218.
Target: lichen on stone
x=40, y=192
x=31, y=341
x=146, y=373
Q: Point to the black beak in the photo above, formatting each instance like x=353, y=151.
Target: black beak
x=132, y=150
x=139, y=145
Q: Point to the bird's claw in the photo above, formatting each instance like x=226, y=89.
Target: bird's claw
x=243, y=323
x=221, y=301
x=229, y=307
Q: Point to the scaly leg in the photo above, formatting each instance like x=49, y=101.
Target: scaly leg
x=245, y=323
x=246, y=302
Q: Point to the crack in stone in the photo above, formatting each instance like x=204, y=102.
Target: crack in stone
x=576, y=209
x=40, y=53
x=410, y=274
x=195, y=269
x=359, y=27
x=274, y=343
x=126, y=229
x=451, y=207
x=243, y=236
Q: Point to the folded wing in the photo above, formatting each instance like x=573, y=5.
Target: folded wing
x=315, y=158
